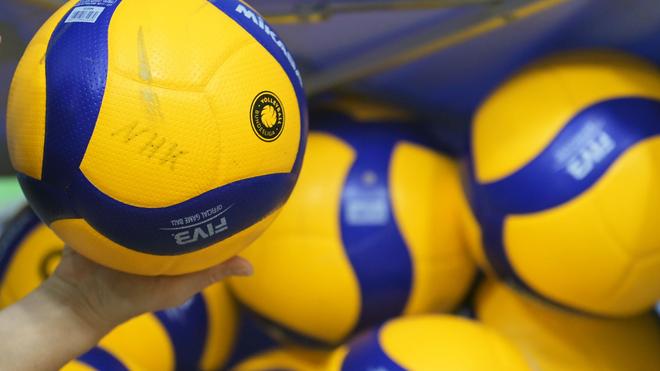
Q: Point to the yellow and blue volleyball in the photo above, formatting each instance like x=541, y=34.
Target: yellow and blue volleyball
x=157, y=136
x=290, y=358
x=199, y=334
x=370, y=232
x=563, y=177
x=555, y=339
x=429, y=342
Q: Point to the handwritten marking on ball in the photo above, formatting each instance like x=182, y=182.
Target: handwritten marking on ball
x=149, y=143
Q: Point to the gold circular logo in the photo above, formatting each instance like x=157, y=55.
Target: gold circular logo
x=267, y=116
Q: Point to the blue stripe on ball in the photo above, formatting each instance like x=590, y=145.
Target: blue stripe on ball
x=76, y=73
x=150, y=230
x=187, y=327
x=372, y=241
x=100, y=359
x=366, y=353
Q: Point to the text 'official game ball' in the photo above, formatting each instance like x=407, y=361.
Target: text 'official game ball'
x=370, y=232
x=563, y=180
x=557, y=339
x=199, y=334
x=157, y=136
x=429, y=342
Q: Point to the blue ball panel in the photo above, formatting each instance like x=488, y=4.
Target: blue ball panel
x=76, y=73
x=187, y=327
x=371, y=238
x=100, y=359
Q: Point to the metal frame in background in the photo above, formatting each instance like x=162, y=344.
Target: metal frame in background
x=321, y=10
x=485, y=18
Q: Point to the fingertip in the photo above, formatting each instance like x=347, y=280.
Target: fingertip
x=240, y=267
x=235, y=266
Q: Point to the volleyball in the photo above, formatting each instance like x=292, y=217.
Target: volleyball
x=562, y=180
x=157, y=137
x=370, y=232
x=562, y=340
x=429, y=342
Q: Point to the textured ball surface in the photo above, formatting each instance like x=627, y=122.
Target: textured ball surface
x=557, y=339
x=157, y=136
x=197, y=335
x=430, y=342
x=370, y=232
x=563, y=181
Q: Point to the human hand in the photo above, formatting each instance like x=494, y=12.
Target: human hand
x=105, y=298
x=82, y=301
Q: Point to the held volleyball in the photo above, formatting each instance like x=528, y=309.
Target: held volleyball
x=157, y=136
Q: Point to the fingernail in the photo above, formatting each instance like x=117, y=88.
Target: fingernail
x=243, y=269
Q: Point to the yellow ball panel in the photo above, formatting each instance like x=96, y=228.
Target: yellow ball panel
x=558, y=340
x=231, y=91
x=175, y=118
x=288, y=358
x=435, y=342
x=604, y=232
x=153, y=147
x=222, y=325
x=199, y=39
x=300, y=258
x=511, y=127
x=142, y=338
x=26, y=128
x=90, y=243
x=424, y=204
x=33, y=261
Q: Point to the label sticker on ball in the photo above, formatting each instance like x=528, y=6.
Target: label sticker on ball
x=105, y=3
x=267, y=116
x=366, y=207
x=85, y=14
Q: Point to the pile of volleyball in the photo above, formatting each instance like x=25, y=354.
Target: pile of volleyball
x=152, y=145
